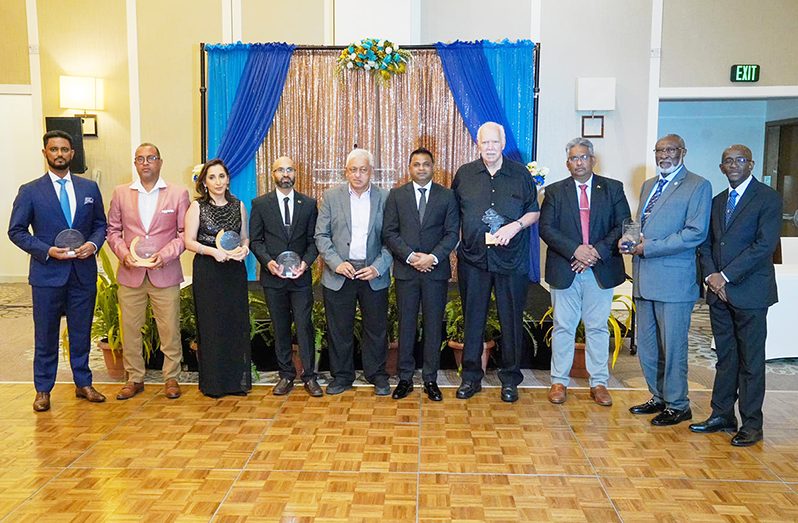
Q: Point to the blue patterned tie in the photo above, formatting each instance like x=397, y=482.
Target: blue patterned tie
x=654, y=197
x=731, y=203
x=63, y=197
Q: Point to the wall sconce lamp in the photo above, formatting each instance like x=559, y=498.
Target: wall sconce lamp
x=84, y=93
x=594, y=94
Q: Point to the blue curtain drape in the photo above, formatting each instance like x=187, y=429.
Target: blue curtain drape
x=245, y=82
x=494, y=81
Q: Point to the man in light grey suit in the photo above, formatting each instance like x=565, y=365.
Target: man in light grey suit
x=357, y=270
x=674, y=213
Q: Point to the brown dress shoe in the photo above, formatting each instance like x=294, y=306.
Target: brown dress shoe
x=313, y=388
x=558, y=393
x=42, y=402
x=171, y=389
x=283, y=387
x=601, y=395
x=89, y=393
x=130, y=389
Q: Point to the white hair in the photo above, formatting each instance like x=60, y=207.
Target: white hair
x=488, y=125
x=360, y=153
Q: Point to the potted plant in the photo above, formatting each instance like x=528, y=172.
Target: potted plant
x=188, y=328
x=455, y=330
x=105, y=328
x=618, y=331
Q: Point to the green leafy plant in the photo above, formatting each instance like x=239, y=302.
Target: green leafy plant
x=455, y=320
x=618, y=329
x=106, y=325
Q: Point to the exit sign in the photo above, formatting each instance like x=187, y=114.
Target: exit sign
x=744, y=73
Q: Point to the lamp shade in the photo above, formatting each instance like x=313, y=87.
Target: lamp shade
x=595, y=94
x=82, y=92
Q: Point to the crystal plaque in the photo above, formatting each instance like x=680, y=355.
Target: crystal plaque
x=228, y=241
x=142, y=249
x=69, y=239
x=494, y=221
x=289, y=262
x=630, y=236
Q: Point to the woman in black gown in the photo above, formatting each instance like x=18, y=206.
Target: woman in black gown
x=219, y=285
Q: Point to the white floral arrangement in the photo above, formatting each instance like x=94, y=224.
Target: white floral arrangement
x=196, y=170
x=378, y=57
x=538, y=173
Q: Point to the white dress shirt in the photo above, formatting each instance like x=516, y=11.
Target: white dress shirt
x=281, y=204
x=589, y=191
x=148, y=201
x=70, y=189
x=416, y=191
x=360, y=207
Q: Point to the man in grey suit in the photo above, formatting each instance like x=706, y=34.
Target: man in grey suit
x=674, y=212
x=357, y=270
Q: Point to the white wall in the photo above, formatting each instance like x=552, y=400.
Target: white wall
x=709, y=127
x=22, y=159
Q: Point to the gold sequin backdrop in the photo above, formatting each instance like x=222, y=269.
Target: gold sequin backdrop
x=322, y=114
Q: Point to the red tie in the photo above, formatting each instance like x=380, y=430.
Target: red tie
x=584, y=214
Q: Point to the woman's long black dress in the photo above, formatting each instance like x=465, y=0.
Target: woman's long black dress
x=220, y=301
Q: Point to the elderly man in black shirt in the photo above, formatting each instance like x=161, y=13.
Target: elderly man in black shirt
x=497, y=262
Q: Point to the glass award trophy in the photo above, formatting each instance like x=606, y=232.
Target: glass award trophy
x=69, y=239
x=494, y=221
x=228, y=241
x=630, y=236
x=289, y=262
x=142, y=249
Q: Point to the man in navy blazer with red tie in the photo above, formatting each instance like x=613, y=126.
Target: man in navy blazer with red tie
x=737, y=266
x=63, y=281
x=581, y=221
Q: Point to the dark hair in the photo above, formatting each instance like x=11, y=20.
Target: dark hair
x=148, y=144
x=56, y=134
x=199, y=185
x=421, y=150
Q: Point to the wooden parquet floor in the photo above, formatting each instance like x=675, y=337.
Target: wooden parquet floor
x=357, y=457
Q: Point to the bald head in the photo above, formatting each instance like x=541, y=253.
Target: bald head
x=284, y=173
x=740, y=148
x=737, y=164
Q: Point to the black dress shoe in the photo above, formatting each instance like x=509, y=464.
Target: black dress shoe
x=432, y=390
x=671, y=417
x=509, y=393
x=468, y=389
x=313, y=388
x=402, y=390
x=283, y=387
x=714, y=424
x=649, y=407
x=746, y=438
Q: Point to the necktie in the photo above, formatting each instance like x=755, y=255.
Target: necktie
x=584, y=214
x=287, y=213
x=63, y=197
x=731, y=203
x=654, y=197
x=422, y=204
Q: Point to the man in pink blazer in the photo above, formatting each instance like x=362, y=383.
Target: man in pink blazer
x=153, y=210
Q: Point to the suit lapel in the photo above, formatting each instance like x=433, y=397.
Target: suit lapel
x=158, y=208
x=747, y=197
x=346, y=208
x=51, y=199
x=80, y=196
x=410, y=194
x=719, y=212
x=374, y=202
x=274, y=202
x=671, y=188
x=299, y=206
x=598, y=197
x=573, y=204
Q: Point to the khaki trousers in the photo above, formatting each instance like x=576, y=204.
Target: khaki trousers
x=166, y=309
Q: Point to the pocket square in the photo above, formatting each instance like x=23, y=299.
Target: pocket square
x=87, y=200
x=167, y=211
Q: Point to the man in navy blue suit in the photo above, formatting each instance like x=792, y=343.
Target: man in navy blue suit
x=62, y=280
x=737, y=265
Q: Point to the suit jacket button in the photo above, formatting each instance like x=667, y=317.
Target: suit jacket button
x=722, y=244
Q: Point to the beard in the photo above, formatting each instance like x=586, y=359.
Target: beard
x=668, y=170
x=58, y=167
x=285, y=182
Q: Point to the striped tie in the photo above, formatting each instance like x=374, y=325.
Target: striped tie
x=654, y=197
x=731, y=203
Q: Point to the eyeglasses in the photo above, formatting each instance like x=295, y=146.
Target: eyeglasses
x=740, y=160
x=284, y=170
x=670, y=151
x=146, y=159
x=583, y=157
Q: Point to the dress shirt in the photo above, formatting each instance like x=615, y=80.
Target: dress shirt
x=360, y=207
x=416, y=191
x=281, y=203
x=740, y=189
x=589, y=190
x=70, y=189
x=668, y=179
x=148, y=201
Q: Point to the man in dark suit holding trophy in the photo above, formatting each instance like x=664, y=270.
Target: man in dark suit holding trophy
x=281, y=227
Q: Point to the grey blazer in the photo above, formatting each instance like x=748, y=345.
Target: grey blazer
x=677, y=225
x=334, y=233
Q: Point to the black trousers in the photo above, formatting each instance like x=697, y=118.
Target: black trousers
x=510, y=289
x=431, y=296
x=740, y=371
x=340, y=311
x=292, y=304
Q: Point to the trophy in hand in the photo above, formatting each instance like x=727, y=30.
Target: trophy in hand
x=631, y=236
x=494, y=222
x=228, y=242
x=69, y=239
x=142, y=249
x=289, y=262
